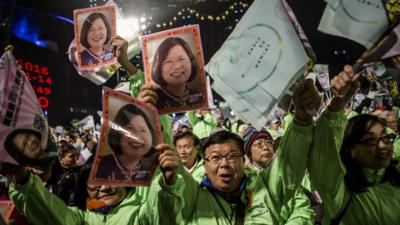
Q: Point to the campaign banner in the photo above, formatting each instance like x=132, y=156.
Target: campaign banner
x=173, y=62
x=23, y=126
x=361, y=21
x=259, y=61
x=126, y=154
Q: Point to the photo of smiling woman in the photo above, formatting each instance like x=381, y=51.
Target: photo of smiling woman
x=174, y=68
x=131, y=138
x=94, y=34
x=173, y=63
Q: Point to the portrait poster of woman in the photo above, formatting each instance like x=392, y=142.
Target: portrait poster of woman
x=126, y=154
x=94, y=29
x=173, y=62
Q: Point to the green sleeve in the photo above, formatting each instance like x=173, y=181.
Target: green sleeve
x=166, y=124
x=301, y=212
x=135, y=82
x=40, y=206
x=288, y=168
x=325, y=166
x=192, y=118
x=174, y=203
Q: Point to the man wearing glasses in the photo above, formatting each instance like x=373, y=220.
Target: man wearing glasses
x=228, y=195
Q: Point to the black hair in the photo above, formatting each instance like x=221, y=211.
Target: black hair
x=13, y=151
x=88, y=24
x=81, y=193
x=221, y=137
x=190, y=134
x=121, y=119
x=66, y=148
x=355, y=179
x=162, y=53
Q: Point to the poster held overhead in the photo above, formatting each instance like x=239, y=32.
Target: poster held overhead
x=173, y=61
x=126, y=154
x=94, y=29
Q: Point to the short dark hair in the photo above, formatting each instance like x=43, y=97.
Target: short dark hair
x=13, y=151
x=88, y=24
x=355, y=179
x=190, y=134
x=121, y=119
x=66, y=148
x=221, y=137
x=162, y=53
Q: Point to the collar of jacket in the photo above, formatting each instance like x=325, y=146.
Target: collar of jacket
x=235, y=197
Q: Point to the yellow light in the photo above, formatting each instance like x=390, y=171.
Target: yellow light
x=231, y=7
x=217, y=18
x=210, y=18
x=158, y=25
x=223, y=17
x=202, y=18
x=197, y=14
x=226, y=12
x=179, y=13
x=170, y=23
x=164, y=24
x=174, y=18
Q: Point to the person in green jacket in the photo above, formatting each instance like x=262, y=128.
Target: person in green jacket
x=98, y=204
x=202, y=121
x=351, y=166
x=259, y=150
x=228, y=195
x=187, y=145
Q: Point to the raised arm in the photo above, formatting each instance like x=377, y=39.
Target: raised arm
x=288, y=168
x=39, y=205
x=325, y=166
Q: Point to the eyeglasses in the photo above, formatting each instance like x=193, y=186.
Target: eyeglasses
x=230, y=157
x=186, y=147
x=263, y=143
x=387, y=139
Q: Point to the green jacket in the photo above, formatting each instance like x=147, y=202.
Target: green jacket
x=42, y=207
x=380, y=205
x=266, y=192
x=298, y=209
x=202, y=127
x=135, y=82
x=198, y=172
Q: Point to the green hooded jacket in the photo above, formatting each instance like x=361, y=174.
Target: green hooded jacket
x=379, y=205
x=42, y=207
x=265, y=193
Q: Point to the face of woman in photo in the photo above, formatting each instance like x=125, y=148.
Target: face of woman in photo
x=97, y=34
x=176, y=67
x=137, y=139
x=27, y=144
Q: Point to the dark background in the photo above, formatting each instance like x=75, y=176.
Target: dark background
x=41, y=32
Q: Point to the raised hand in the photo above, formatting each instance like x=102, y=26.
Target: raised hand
x=169, y=163
x=120, y=50
x=147, y=94
x=306, y=99
x=343, y=86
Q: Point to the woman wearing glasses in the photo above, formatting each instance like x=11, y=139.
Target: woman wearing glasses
x=354, y=173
